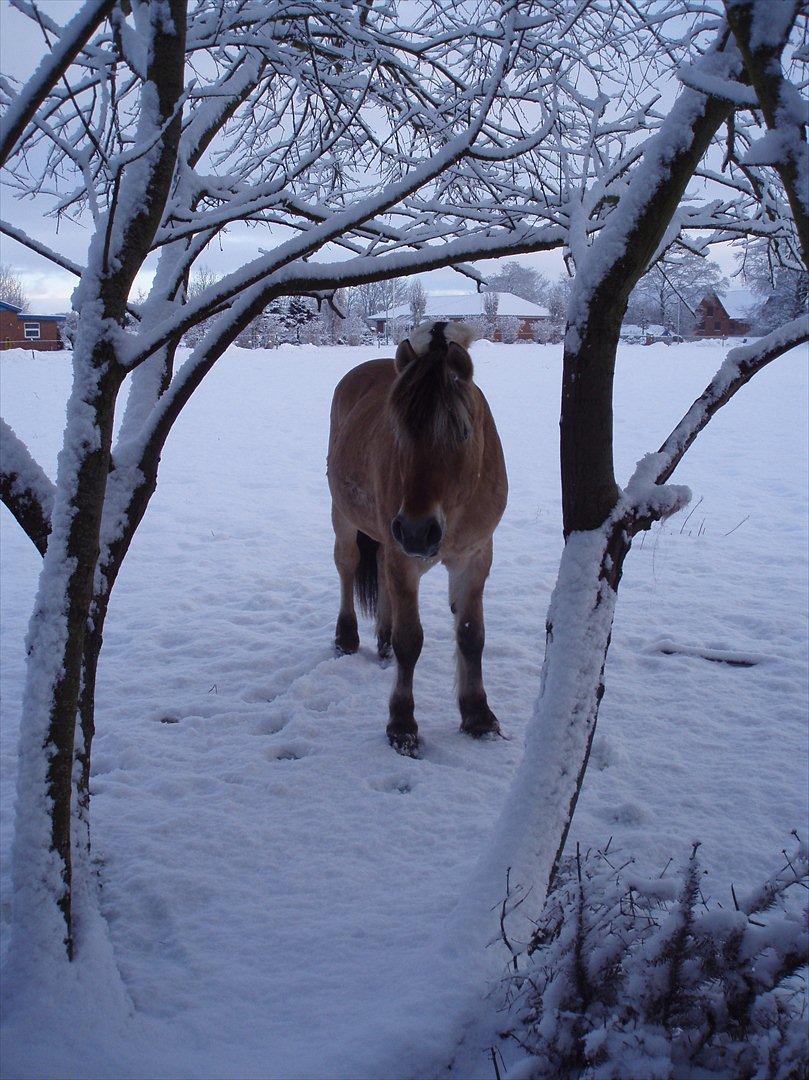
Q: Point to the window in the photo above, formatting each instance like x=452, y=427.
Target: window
x=31, y=331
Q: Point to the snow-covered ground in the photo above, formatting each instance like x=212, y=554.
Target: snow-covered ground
x=275, y=878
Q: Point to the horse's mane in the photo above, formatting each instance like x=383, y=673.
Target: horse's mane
x=431, y=399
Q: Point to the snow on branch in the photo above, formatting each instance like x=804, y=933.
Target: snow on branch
x=740, y=365
x=632, y=235
x=761, y=30
x=735, y=93
x=41, y=249
x=24, y=488
x=647, y=497
x=301, y=276
x=72, y=40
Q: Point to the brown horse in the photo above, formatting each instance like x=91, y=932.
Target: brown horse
x=417, y=476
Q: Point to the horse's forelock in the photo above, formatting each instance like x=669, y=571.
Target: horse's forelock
x=429, y=403
x=429, y=335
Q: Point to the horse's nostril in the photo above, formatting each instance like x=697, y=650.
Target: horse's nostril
x=417, y=538
x=434, y=534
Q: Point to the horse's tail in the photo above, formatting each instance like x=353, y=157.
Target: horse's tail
x=366, y=582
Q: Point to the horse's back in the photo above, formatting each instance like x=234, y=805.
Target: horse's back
x=374, y=377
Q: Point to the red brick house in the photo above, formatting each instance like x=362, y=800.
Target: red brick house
x=19, y=330
x=712, y=319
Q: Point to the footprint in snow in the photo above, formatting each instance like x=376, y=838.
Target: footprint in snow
x=290, y=750
x=604, y=753
x=397, y=784
x=627, y=813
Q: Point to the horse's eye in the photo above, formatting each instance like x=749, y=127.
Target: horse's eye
x=466, y=432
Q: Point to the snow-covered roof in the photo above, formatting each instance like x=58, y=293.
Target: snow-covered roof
x=467, y=305
x=738, y=302
x=6, y=306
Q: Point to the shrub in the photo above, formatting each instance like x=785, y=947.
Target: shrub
x=631, y=977
x=509, y=328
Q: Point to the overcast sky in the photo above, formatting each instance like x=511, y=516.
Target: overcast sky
x=49, y=288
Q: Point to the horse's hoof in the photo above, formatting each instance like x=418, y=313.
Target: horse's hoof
x=384, y=649
x=481, y=725
x=405, y=743
x=346, y=636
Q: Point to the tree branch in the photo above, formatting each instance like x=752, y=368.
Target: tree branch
x=72, y=40
x=607, y=274
x=739, y=367
x=25, y=489
x=41, y=249
x=53, y=256
x=761, y=31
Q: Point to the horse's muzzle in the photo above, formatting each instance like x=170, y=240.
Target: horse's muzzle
x=421, y=538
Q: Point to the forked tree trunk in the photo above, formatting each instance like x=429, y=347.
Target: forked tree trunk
x=599, y=519
x=80, y=550
x=58, y=644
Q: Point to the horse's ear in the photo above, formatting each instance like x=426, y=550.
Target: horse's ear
x=404, y=356
x=460, y=360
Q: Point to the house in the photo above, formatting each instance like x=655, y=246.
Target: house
x=20, y=330
x=722, y=318
x=469, y=306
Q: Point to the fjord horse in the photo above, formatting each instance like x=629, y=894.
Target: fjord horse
x=417, y=476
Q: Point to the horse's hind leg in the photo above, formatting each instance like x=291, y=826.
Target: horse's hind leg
x=346, y=559
x=467, y=578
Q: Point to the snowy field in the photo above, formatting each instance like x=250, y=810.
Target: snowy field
x=275, y=878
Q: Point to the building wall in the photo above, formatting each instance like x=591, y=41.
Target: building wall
x=12, y=333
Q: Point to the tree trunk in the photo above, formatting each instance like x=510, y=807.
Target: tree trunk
x=59, y=647
x=56, y=636
x=599, y=520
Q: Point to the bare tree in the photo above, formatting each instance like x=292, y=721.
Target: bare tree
x=600, y=519
x=378, y=296
x=782, y=287
x=522, y=281
x=202, y=277
x=11, y=288
x=671, y=285
x=164, y=127
x=418, y=302
x=491, y=302
x=119, y=125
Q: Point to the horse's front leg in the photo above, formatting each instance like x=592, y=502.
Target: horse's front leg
x=346, y=559
x=384, y=626
x=402, y=575
x=467, y=577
